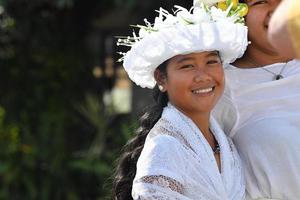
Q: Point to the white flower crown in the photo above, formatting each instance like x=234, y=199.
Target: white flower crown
x=202, y=28
x=206, y=2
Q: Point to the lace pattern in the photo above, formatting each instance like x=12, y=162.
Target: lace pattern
x=164, y=182
x=164, y=127
x=175, y=164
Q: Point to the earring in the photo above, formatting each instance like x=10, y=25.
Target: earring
x=161, y=88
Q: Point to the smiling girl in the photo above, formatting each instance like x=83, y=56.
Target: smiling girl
x=179, y=151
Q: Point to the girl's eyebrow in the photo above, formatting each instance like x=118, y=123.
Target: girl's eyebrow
x=180, y=60
x=214, y=53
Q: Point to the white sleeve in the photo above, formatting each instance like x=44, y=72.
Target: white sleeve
x=160, y=170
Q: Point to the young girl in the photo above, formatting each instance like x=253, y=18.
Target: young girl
x=179, y=151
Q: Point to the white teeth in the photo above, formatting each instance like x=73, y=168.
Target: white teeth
x=203, y=91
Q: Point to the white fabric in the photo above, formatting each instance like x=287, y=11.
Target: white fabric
x=263, y=118
x=178, y=163
x=207, y=2
x=210, y=30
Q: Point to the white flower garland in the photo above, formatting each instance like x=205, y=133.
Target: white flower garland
x=196, y=15
x=202, y=28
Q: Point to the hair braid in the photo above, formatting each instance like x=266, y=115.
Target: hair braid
x=126, y=169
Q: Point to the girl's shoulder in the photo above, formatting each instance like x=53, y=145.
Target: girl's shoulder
x=165, y=130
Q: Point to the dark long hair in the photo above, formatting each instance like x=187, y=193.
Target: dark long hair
x=126, y=168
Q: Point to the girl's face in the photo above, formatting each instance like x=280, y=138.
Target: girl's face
x=257, y=21
x=194, y=82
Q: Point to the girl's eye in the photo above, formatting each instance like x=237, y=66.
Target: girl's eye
x=186, y=66
x=212, y=62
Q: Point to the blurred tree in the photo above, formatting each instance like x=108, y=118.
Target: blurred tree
x=44, y=73
x=48, y=149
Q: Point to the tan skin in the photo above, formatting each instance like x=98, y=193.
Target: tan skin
x=194, y=83
x=278, y=32
x=260, y=52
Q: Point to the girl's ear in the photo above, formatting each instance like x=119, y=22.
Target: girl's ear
x=160, y=80
x=160, y=77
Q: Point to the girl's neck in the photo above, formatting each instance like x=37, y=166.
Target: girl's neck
x=202, y=122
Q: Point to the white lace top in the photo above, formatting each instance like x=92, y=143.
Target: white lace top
x=262, y=117
x=178, y=163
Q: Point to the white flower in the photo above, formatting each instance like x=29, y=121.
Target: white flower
x=190, y=31
x=219, y=15
x=164, y=20
x=159, y=21
x=196, y=15
x=184, y=16
x=170, y=20
x=143, y=32
x=201, y=15
x=207, y=2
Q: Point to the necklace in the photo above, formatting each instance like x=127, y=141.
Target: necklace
x=277, y=76
x=216, y=149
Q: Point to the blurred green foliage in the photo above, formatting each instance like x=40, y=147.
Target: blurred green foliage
x=57, y=141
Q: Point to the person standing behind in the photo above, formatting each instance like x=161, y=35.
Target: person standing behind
x=260, y=111
x=284, y=28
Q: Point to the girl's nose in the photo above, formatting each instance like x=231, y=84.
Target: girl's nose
x=201, y=76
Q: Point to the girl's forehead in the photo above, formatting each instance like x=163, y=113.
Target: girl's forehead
x=202, y=54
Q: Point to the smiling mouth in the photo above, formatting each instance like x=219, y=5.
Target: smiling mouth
x=203, y=91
